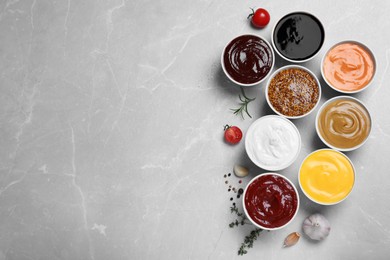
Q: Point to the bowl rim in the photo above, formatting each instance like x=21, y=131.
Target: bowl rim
x=286, y=179
x=323, y=107
x=291, y=60
x=248, y=84
x=248, y=137
x=364, y=46
x=324, y=203
x=297, y=67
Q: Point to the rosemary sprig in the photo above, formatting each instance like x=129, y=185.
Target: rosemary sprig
x=248, y=241
x=241, y=217
x=243, y=104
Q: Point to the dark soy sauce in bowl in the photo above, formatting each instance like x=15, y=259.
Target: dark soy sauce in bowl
x=298, y=36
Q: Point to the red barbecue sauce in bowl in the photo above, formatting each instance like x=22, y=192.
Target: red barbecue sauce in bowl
x=271, y=201
x=247, y=60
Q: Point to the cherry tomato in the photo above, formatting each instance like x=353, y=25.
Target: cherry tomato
x=260, y=18
x=233, y=134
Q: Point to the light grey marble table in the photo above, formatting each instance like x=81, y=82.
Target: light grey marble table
x=111, y=125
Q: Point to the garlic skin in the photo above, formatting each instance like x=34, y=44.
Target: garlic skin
x=240, y=171
x=291, y=239
x=316, y=226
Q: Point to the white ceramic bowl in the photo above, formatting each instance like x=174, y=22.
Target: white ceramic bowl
x=258, y=142
x=292, y=67
x=318, y=118
x=246, y=211
x=319, y=202
x=292, y=60
x=254, y=83
x=368, y=50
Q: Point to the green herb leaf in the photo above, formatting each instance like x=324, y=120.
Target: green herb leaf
x=243, y=105
x=241, y=217
x=248, y=241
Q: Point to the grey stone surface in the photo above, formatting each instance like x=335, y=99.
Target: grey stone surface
x=111, y=125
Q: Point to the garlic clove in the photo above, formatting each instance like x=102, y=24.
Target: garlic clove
x=291, y=239
x=316, y=226
x=240, y=171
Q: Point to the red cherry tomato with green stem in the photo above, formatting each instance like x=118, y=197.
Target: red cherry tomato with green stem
x=233, y=134
x=260, y=18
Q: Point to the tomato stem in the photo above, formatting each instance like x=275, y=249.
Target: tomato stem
x=226, y=127
x=252, y=14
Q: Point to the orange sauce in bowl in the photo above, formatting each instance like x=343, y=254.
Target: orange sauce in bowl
x=349, y=67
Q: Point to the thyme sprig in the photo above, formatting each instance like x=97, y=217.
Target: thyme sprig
x=249, y=240
x=241, y=217
x=243, y=104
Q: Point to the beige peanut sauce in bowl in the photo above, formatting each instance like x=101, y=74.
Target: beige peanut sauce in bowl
x=343, y=123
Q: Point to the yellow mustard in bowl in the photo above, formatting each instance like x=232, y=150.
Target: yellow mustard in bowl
x=326, y=176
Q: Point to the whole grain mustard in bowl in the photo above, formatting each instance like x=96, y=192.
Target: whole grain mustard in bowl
x=293, y=91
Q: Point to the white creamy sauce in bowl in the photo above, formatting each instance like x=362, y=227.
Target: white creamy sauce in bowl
x=273, y=142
